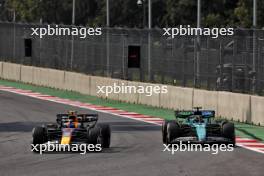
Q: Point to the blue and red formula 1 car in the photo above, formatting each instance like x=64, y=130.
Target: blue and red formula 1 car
x=73, y=128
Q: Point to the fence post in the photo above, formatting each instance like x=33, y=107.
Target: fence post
x=72, y=51
x=124, y=61
x=107, y=53
x=14, y=39
x=194, y=61
x=197, y=62
x=254, y=62
x=207, y=61
x=233, y=64
x=150, y=76
x=221, y=65
x=198, y=50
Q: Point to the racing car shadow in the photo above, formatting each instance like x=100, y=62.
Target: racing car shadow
x=106, y=150
x=120, y=126
x=19, y=126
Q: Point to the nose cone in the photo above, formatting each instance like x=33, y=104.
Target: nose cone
x=201, y=131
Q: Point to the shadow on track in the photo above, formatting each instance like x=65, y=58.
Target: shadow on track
x=19, y=126
x=122, y=126
x=106, y=150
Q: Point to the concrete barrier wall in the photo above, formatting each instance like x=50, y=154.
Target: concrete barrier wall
x=257, y=110
x=1, y=69
x=235, y=106
x=129, y=97
x=41, y=77
x=37, y=79
x=26, y=74
x=97, y=82
x=11, y=71
x=177, y=98
x=77, y=82
x=144, y=92
x=55, y=81
x=48, y=77
x=206, y=99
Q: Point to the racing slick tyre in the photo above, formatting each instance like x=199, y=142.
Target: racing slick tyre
x=100, y=134
x=173, y=131
x=92, y=135
x=105, y=135
x=39, y=135
x=164, y=130
x=229, y=132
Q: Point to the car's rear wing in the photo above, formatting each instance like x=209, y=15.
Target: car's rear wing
x=188, y=113
x=208, y=113
x=82, y=118
x=183, y=114
x=88, y=117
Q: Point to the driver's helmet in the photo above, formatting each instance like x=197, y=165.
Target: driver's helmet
x=72, y=113
x=72, y=120
x=198, y=119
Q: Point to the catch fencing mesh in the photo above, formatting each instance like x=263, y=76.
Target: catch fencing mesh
x=232, y=63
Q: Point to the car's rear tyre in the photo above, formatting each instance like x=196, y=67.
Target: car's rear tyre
x=105, y=135
x=92, y=135
x=100, y=134
x=222, y=122
x=173, y=131
x=229, y=132
x=164, y=130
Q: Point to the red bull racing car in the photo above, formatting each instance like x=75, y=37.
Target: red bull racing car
x=73, y=128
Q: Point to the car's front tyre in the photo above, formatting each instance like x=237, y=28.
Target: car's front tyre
x=164, y=130
x=173, y=131
x=228, y=130
x=39, y=137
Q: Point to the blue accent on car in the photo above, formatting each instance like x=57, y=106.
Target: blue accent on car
x=208, y=113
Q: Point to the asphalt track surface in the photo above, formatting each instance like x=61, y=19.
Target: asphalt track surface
x=136, y=148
